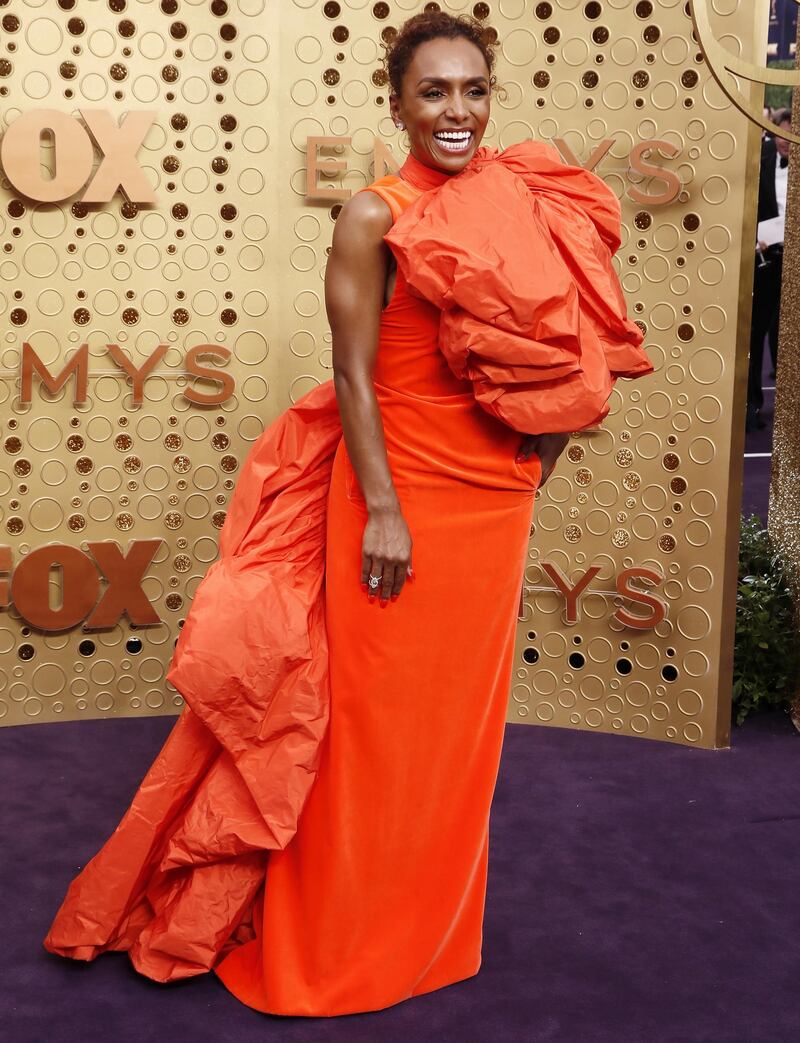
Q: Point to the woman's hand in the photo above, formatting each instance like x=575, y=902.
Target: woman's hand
x=547, y=447
x=386, y=552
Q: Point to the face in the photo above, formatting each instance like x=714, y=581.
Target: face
x=782, y=144
x=444, y=102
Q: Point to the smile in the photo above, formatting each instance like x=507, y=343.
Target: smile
x=453, y=140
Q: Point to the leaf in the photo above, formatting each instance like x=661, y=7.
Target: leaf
x=766, y=661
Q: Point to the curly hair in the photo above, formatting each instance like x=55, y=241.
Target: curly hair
x=430, y=25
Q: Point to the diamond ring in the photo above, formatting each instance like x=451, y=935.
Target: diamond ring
x=374, y=581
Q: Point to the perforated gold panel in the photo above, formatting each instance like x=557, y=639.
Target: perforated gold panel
x=660, y=486
x=231, y=254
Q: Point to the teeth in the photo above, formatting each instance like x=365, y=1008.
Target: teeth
x=453, y=141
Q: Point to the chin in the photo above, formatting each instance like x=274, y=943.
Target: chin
x=449, y=160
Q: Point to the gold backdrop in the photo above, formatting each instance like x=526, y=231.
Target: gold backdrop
x=229, y=256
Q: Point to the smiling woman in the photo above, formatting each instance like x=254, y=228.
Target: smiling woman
x=456, y=371
x=380, y=896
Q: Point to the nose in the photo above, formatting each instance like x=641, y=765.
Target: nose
x=457, y=110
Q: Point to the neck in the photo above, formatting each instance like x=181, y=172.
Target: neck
x=420, y=175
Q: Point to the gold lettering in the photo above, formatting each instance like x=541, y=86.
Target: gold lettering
x=326, y=165
x=119, y=167
x=21, y=155
x=658, y=608
x=138, y=376
x=671, y=179
x=571, y=593
x=225, y=379
x=79, y=363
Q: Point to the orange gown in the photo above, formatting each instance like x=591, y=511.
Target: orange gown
x=380, y=895
x=383, y=727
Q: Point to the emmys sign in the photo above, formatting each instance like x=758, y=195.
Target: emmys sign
x=384, y=162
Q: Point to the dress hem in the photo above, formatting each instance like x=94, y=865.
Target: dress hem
x=344, y=1013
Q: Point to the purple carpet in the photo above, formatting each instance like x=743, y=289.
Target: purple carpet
x=639, y=892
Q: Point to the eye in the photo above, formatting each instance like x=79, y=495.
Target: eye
x=435, y=91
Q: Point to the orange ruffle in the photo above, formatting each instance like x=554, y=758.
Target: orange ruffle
x=175, y=881
x=516, y=250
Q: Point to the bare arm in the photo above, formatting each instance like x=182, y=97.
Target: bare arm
x=355, y=280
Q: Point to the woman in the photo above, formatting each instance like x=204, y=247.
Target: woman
x=380, y=896
x=377, y=893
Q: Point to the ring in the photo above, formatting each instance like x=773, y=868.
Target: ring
x=374, y=581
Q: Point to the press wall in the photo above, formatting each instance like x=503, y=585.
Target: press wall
x=164, y=238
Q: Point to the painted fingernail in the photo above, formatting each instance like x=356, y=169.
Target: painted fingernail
x=520, y=457
x=395, y=597
x=365, y=587
x=384, y=603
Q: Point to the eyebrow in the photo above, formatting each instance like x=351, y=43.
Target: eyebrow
x=440, y=79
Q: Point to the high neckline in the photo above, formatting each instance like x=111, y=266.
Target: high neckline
x=420, y=175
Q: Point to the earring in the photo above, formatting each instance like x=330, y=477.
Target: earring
x=400, y=125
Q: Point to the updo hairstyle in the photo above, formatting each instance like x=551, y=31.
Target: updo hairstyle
x=431, y=25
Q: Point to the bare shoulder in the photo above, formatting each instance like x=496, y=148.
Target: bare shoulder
x=365, y=217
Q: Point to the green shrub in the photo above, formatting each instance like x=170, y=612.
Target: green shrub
x=778, y=95
x=766, y=659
